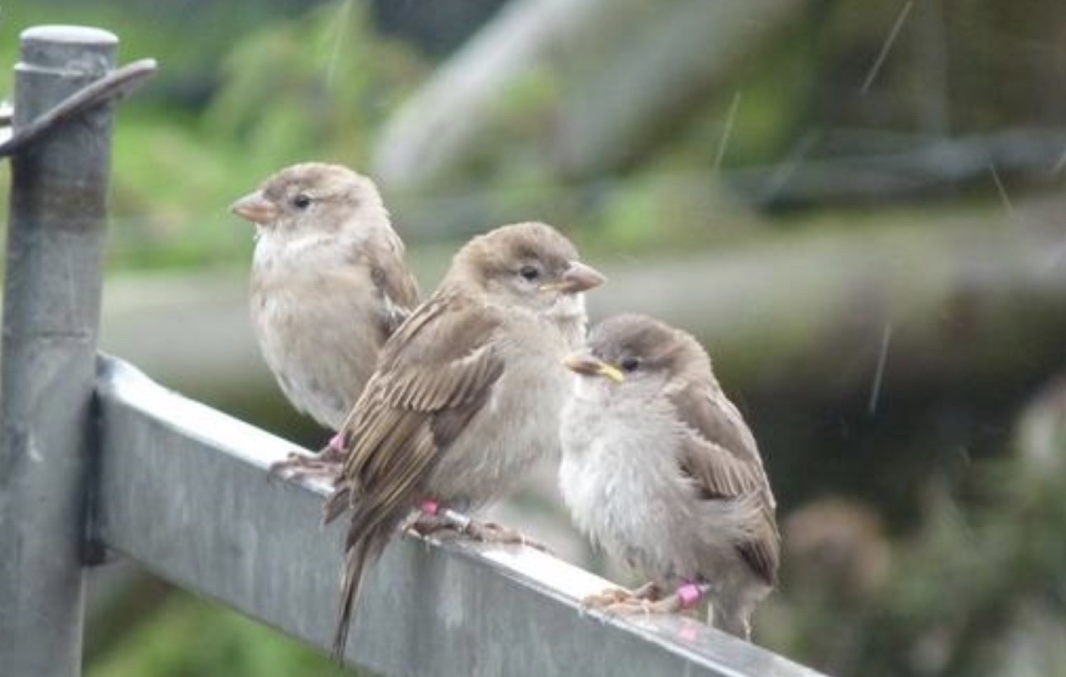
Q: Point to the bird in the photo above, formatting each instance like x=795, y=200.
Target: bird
x=329, y=285
x=467, y=393
x=661, y=471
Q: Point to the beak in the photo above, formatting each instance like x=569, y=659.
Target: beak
x=587, y=364
x=255, y=208
x=577, y=278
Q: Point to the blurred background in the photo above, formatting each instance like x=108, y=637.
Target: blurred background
x=859, y=208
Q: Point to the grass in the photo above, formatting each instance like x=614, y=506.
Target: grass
x=190, y=636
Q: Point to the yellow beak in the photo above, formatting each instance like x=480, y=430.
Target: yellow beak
x=589, y=365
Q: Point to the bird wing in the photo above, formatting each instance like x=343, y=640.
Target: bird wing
x=433, y=375
x=720, y=455
x=395, y=283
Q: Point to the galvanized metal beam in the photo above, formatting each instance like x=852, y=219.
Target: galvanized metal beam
x=184, y=491
x=51, y=313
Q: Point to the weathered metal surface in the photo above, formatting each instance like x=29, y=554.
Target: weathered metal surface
x=185, y=492
x=51, y=312
x=100, y=92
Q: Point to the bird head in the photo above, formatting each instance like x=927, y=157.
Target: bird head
x=639, y=353
x=312, y=198
x=526, y=265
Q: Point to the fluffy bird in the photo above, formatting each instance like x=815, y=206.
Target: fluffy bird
x=467, y=394
x=329, y=284
x=661, y=471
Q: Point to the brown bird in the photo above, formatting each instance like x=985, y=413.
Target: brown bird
x=660, y=469
x=468, y=391
x=329, y=284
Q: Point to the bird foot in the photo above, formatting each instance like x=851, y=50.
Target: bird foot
x=605, y=598
x=433, y=518
x=326, y=464
x=686, y=597
x=601, y=600
x=490, y=532
x=424, y=524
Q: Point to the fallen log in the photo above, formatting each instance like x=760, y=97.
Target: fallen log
x=599, y=81
x=959, y=302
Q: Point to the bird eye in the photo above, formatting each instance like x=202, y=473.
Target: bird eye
x=630, y=364
x=301, y=201
x=529, y=272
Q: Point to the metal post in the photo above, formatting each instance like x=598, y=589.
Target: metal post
x=55, y=244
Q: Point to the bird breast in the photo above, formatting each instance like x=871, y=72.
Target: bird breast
x=620, y=479
x=518, y=426
x=319, y=329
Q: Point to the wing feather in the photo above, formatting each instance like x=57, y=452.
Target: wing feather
x=720, y=456
x=434, y=373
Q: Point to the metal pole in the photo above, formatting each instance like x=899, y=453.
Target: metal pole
x=55, y=244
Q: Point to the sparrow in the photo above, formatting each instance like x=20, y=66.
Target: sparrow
x=467, y=393
x=329, y=284
x=659, y=469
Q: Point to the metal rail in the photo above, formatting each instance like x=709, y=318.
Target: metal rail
x=184, y=491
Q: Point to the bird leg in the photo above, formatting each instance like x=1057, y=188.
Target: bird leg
x=433, y=517
x=429, y=519
x=649, y=592
x=326, y=464
x=686, y=597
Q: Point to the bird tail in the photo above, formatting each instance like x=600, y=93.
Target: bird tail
x=732, y=614
x=368, y=535
x=354, y=570
x=337, y=503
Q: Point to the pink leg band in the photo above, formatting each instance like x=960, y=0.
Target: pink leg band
x=690, y=595
x=429, y=506
x=337, y=442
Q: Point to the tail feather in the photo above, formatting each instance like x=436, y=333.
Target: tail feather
x=366, y=542
x=354, y=570
x=337, y=503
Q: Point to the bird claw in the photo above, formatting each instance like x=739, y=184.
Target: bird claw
x=646, y=600
x=424, y=525
x=327, y=464
x=634, y=606
x=490, y=532
x=648, y=592
x=458, y=524
x=606, y=598
x=433, y=518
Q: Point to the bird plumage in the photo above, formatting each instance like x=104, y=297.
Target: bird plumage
x=661, y=470
x=467, y=393
x=329, y=283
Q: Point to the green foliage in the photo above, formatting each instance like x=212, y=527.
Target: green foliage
x=319, y=85
x=169, y=197
x=958, y=590
x=191, y=637
x=311, y=87
x=188, y=44
x=663, y=210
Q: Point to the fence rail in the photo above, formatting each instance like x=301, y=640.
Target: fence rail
x=184, y=491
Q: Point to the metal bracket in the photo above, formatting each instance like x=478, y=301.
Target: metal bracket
x=115, y=85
